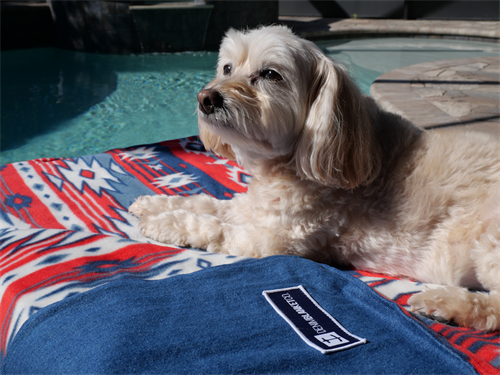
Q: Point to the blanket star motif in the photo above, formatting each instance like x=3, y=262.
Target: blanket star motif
x=65, y=229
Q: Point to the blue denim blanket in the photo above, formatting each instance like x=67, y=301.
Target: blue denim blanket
x=217, y=321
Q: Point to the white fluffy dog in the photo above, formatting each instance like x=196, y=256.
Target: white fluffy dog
x=339, y=180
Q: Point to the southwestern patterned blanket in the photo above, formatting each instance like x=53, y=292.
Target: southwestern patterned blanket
x=65, y=230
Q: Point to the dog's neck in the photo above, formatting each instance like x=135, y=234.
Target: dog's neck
x=259, y=166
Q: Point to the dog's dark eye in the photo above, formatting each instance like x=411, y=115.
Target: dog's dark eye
x=227, y=69
x=271, y=75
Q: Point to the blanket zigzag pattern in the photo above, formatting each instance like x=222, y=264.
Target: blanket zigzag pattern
x=65, y=229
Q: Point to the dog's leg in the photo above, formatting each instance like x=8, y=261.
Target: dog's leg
x=155, y=204
x=204, y=231
x=468, y=309
x=184, y=228
x=486, y=252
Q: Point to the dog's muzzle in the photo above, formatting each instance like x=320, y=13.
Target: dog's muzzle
x=209, y=100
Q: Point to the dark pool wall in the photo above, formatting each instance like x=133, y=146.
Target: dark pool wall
x=187, y=27
x=394, y=9
x=122, y=27
x=93, y=26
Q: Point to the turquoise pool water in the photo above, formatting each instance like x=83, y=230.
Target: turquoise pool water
x=369, y=58
x=58, y=103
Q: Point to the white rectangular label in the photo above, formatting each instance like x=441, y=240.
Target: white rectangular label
x=312, y=323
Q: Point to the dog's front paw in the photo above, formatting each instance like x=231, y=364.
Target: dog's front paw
x=163, y=228
x=143, y=205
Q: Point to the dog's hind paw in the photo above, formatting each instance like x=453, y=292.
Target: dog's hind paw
x=476, y=310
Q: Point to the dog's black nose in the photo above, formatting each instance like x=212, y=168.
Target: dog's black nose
x=209, y=99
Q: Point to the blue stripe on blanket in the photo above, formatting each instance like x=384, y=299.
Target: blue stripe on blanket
x=217, y=321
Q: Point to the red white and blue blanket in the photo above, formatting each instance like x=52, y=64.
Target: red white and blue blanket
x=65, y=229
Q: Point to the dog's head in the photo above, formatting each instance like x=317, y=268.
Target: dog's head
x=278, y=97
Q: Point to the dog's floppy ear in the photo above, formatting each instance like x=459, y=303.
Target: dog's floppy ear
x=337, y=145
x=214, y=143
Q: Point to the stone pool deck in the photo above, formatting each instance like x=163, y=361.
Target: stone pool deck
x=440, y=94
x=460, y=93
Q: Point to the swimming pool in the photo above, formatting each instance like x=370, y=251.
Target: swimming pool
x=58, y=103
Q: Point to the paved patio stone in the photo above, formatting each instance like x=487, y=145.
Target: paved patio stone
x=448, y=93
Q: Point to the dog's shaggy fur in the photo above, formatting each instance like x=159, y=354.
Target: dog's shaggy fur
x=339, y=180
